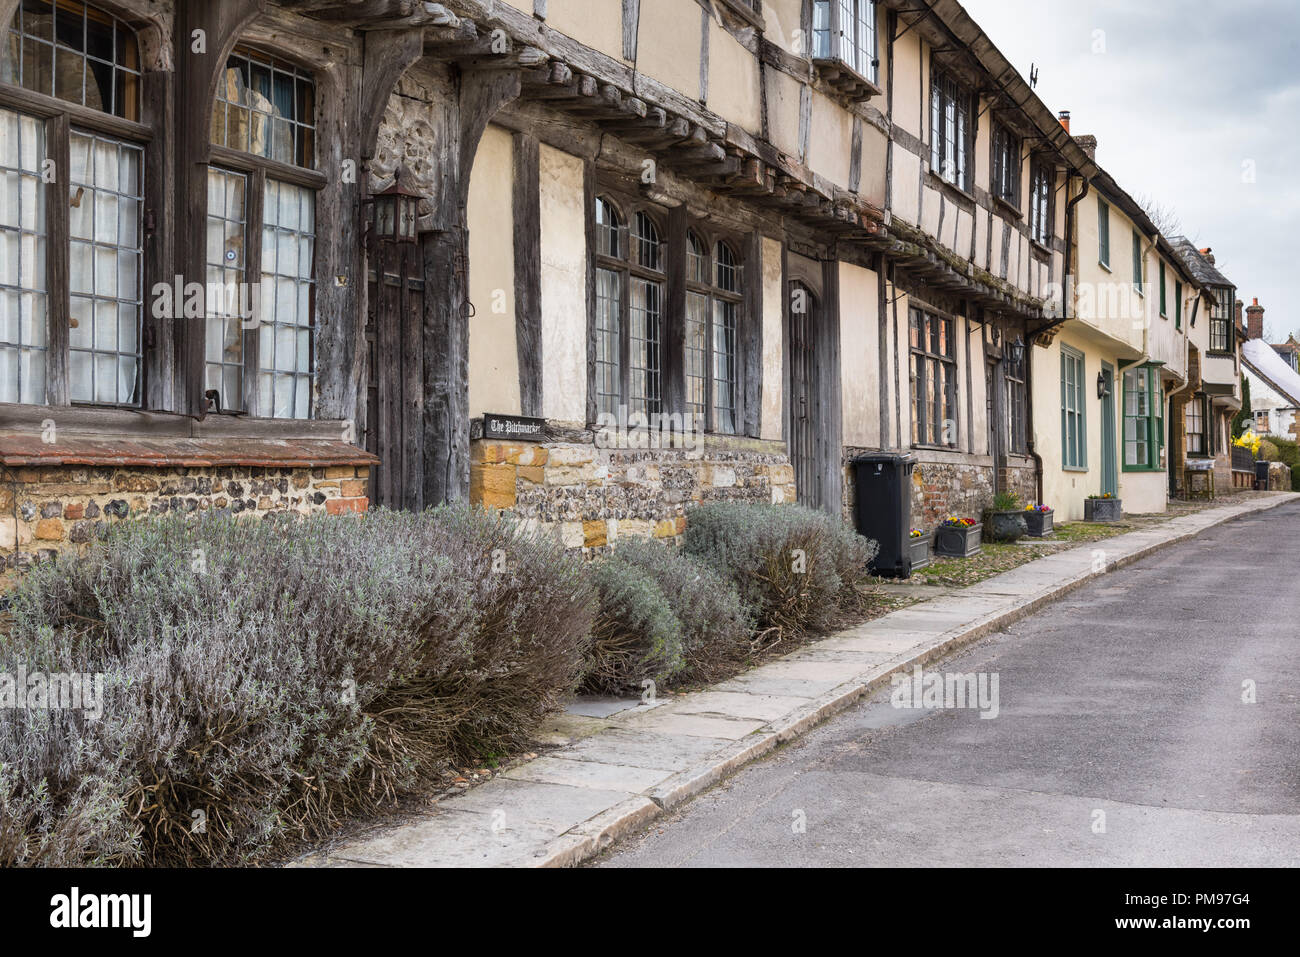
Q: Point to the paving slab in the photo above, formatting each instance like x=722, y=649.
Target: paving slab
x=645, y=749
x=562, y=769
x=697, y=725
x=765, y=707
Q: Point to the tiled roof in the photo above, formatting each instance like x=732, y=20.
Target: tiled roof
x=1198, y=265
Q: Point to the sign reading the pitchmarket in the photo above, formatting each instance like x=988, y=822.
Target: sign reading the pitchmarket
x=518, y=428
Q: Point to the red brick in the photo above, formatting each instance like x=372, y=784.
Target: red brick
x=338, y=506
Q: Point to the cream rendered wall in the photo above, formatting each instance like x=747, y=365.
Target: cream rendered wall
x=493, y=360
x=860, y=356
x=875, y=147
x=733, y=78
x=1105, y=298
x=1064, y=490
x=563, y=286
x=907, y=172
x=782, y=19
x=771, y=423
x=831, y=139
x=910, y=76
x=979, y=411
x=668, y=44
x=783, y=111
x=597, y=23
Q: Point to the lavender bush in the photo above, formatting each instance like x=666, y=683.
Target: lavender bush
x=800, y=570
x=266, y=680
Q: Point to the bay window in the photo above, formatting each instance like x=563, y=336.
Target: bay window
x=845, y=30
x=1221, y=316
x=71, y=243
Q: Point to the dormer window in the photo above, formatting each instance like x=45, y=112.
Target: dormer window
x=844, y=46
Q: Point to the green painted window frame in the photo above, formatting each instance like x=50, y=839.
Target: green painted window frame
x=1178, y=305
x=1164, y=298
x=1074, y=411
x=1148, y=428
x=1103, y=232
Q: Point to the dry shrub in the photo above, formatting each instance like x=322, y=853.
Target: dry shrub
x=266, y=680
x=665, y=616
x=800, y=570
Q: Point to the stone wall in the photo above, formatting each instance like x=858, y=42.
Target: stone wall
x=950, y=483
x=47, y=509
x=593, y=496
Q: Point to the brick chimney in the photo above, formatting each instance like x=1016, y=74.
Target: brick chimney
x=1065, y=119
x=1208, y=253
x=1254, y=320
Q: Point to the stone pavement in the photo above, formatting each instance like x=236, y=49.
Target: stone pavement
x=624, y=763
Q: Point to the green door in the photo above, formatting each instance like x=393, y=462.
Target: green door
x=1109, y=457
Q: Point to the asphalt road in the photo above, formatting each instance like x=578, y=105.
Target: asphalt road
x=1122, y=738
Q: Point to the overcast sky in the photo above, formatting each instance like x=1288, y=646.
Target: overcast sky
x=1189, y=100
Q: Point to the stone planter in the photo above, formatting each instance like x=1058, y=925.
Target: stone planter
x=1102, y=510
x=1040, y=524
x=955, y=541
x=1006, y=526
x=918, y=552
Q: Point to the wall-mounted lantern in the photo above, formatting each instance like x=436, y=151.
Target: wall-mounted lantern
x=1018, y=350
x=1103, y=389
x=396, y=213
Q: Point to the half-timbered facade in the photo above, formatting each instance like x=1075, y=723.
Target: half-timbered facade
x=591, y=261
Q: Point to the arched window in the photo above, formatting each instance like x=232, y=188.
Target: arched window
x=629, y=310
x=71, y=246
x=261, y=237
x=713, y=306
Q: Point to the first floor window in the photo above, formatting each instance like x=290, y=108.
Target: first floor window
x=1221, y=339
x=1103, y=232
x=1017, y=439
x=1006, y=165
x=1040, y=205
x=845, y=30
x=950, y=129
x=1143, y=419
x=934, y=378
x=1074, y=425
x=1196, y=421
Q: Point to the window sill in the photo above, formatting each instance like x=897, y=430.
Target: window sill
x=845, y=80
x=745, y=12
x=1103, y=265
x=1143, y=468
x=958, y=193
x=1078, y=469
x=1009, y=206
x=935, y=448
x=1041, y=247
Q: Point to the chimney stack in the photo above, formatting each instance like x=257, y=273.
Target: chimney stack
x=1065, y=119
x=1255, y=321
x=1088, y=144
x=1208, y=253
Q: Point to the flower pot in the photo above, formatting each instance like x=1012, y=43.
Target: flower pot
x=1102, y=510
x=919, y=552
x=956, y=541
x=1040, y=523
x=1006, y=526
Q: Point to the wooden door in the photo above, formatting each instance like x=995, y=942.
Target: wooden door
x=804, y=412
x=395, y=386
